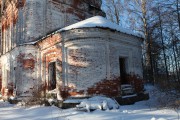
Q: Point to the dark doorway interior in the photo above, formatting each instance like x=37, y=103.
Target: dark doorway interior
x=52, y=76
x=0, y=83
x=122, y=65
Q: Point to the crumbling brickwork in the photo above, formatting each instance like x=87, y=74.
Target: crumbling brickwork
x=51, y=51
x=109, y=88
x=91, y=59
x=20, y=71
x=89, y=64
x=25, y=21
x=37, y=56
x=137, y=82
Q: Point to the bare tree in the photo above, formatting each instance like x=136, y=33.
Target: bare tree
x=114, y=10
x=139, y=18
x=159, y=21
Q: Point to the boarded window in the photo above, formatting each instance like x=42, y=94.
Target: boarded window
x=28, y=63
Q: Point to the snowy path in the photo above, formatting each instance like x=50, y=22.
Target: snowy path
x=12, y=112
x=138, y=111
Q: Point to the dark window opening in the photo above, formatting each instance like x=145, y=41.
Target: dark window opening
x=122, y=66
x=0, y=83
x=52, y=76
x=15, y=77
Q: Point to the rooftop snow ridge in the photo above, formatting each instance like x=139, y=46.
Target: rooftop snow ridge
x=99, y=21
x=96, y=21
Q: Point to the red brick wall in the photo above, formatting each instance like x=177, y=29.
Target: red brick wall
x=79, y=8
x=51, y=52
x=109, y=88
x=26, y=63
x=9, y=11
x=49, y=41
x=137, y=82
x=29, y=63
x=8, y=20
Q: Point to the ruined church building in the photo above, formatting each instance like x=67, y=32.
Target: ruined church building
x=67, y=46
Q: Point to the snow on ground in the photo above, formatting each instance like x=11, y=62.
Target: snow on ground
x=139, y=111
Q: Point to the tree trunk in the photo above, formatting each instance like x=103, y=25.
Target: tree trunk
x=162, y=42
x=177, y=8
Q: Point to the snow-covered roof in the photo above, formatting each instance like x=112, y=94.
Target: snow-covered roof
x=96, y=21
x=101, y=22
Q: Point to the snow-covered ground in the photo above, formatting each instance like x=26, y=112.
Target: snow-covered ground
x=140, y=111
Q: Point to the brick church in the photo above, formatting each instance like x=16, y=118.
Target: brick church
x=65, y=46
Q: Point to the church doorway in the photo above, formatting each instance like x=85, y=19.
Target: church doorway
x=122, y=66
x=52, y=76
